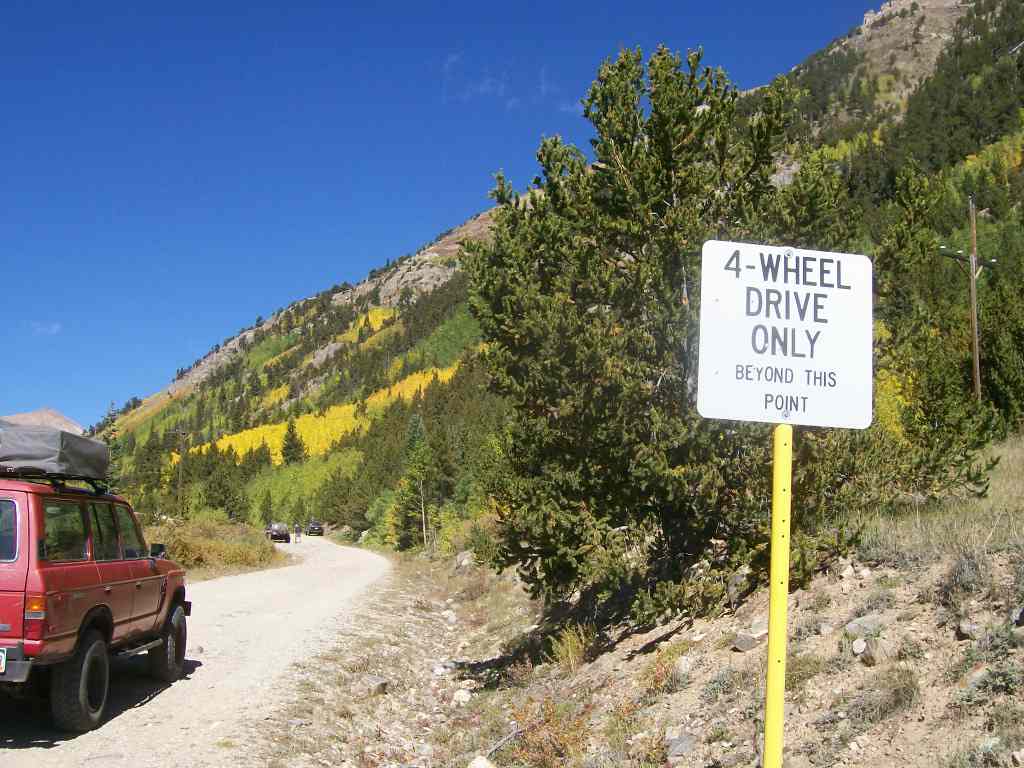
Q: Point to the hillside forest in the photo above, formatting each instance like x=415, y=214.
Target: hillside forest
x=538, y=406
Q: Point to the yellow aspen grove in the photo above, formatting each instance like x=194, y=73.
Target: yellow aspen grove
x=320, y=431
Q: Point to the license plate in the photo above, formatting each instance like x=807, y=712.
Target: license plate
x=3, y=660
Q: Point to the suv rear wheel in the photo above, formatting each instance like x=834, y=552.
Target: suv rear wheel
x=79, y=686
x=167, y=661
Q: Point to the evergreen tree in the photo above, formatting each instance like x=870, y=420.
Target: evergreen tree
x=409, y=520
x=293, y=450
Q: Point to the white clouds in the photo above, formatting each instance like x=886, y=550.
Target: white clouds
x=545, y=87
x=487, y=85
x=46, y=328
x=450, y=61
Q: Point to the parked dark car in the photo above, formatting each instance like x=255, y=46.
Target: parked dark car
x=315, y=528
x=279, y=532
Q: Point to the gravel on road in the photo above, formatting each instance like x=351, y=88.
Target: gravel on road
x=245, y=633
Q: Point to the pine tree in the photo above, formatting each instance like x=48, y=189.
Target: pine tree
x=413, y=494
x=293, y=450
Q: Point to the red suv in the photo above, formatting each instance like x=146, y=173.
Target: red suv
x=77, y=584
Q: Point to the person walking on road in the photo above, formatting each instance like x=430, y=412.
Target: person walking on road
x=298, y=532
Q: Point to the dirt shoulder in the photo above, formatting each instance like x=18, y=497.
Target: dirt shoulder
x=245, y=634
x=913, y=666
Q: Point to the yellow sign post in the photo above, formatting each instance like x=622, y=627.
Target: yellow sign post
x=785, y=339
x=775, y=686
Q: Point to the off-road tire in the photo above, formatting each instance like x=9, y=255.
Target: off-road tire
x=79, y=687
x=167, y=661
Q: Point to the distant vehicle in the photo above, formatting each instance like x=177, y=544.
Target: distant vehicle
x=280, y=532
x=315, y=528
x=77, y=582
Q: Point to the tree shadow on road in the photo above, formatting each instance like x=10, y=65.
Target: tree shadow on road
x=26, y=724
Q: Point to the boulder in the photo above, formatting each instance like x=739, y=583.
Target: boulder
x=679, y=744
x=968, y=630
x=859, y=646
x=373, y=685
x=465, y=560
x=752, y=637
x=875, y=652
x=681, y=671
x=745, y=641
x=480, y=762
x=462, y=697
x=865, y=626
x=737, y=584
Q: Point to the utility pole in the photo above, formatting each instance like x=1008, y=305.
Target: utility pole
x=973, y=266
x=974, y=299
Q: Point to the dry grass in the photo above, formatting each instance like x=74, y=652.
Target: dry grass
x=553, y=734
x=572, y=646
x=209, y=550
x=661, y=676
x=930, y=532
x=888, y=692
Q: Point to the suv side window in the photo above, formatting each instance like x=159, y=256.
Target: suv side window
x=134, y=546
x=104, y=532
x=65, y=532
x=8, y=531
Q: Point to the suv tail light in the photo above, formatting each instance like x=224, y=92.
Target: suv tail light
x=35, y=617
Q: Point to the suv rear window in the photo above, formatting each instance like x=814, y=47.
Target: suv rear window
x=8, y=531
x=65, y=532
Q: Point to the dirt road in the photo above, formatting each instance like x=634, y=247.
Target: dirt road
x=244, y=634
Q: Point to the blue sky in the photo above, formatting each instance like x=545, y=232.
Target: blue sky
x=167, y=176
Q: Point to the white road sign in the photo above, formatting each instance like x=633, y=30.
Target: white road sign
x=785, y=336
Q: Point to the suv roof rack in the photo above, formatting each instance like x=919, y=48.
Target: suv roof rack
x=58, y=481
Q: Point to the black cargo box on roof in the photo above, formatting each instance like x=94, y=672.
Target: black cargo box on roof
x=32, y=450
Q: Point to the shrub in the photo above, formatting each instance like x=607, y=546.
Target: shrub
x=553, y=735
x=969, y=575
x=802, y=668
x=888, y=692
x=572, y=646
x=213, y=544
x=725, y=684
x=661, y=676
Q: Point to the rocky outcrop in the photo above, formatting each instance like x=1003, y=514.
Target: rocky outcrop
x=433, y=266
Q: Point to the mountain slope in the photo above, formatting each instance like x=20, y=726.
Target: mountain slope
x=865, y=77
x=46, y=417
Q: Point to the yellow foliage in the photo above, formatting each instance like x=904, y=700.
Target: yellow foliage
x=279, y=357
x=375, y=318
x=891, y=398
x=275, y=396
x=320, y=431
x=382, y=335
